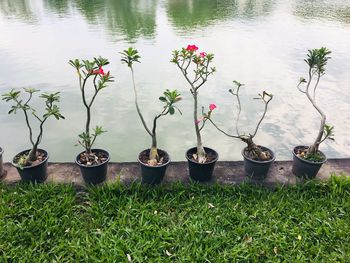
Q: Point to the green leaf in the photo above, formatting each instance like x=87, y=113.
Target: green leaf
x=98, y=130
x=171, y=110
x=129, y=56
x=163, y=99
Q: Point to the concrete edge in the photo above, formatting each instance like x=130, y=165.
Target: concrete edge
x=226, y=172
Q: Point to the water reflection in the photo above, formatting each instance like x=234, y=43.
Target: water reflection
x=132, y=19
x=19, y=9
x=334, y=10
x=187, y=14
x=58, y=6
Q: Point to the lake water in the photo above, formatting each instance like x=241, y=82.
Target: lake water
x=261, y=43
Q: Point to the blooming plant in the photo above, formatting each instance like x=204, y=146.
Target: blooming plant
x=188, y=60
x=129, y=57
x=316, y=60
x=51, y=110
x=252, y=151
x=91, y=70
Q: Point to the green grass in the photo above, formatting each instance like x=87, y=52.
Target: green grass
x=184, y=223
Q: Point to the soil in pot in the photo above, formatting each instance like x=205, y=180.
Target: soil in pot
x=163, y=157
x=97, y=157
x=305, y=166
x=35, y=171
x=258, y=168
x=153, y=174
x=93, y=167
x=201, y=172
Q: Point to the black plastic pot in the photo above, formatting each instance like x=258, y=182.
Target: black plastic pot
x=304, y=168
x=258, y=170
x=201, y=172
x=94, y=174
x=153, y=174
x=34, y=174
x=2, y=171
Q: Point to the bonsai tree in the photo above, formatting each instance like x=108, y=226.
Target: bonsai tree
x=253, y=151
x=316, y=60
x=22, y=104
x=196, y=69
x=169, y=98
x=91, y=69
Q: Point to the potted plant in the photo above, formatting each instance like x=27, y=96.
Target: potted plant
x=92, y=162
x=307, y=160
x=153, y=161
x=31, y=164
x=257, y=159
x=201, y=160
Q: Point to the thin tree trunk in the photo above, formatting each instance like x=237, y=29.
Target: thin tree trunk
x=153, y=155
x=201, y=155
x=87, y=130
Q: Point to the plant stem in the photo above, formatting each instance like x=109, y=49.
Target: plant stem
x=201, y=154
x=262, y=117
x=88, y=117
x=153, y=154
x=137, y=105
x=222, y=131
x=32, y=154
x=314, y=147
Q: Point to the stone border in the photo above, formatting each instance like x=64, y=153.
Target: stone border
x=226, y=172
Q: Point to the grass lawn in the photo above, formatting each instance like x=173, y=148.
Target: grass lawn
x=184, y=223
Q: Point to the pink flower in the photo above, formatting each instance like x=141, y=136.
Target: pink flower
x=199, y=120
x=99, y=71
x=202, y=54
x=212, y=107
x=192, y=48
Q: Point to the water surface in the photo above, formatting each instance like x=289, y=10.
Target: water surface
x=261, y=43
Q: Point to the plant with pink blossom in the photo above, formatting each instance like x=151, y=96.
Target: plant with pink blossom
x=196, y=68
x=253, y=151
x=90, y=70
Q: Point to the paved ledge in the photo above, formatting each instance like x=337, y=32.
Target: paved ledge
x=226, y=172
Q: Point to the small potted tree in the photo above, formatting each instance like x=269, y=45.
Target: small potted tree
x=257, y=159
x=93, y=163
x=307, y=160
x=196, y=68
x=32, y=164
x=153, y=161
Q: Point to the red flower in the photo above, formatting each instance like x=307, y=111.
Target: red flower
x=212, y=107
x=99, y=71
x=192, y=48
x=202, y=54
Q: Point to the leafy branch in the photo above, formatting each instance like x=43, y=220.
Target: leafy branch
x=196, y=69
x=169, y=98
x=91, y=69
x=316, y=60
x=51, y=110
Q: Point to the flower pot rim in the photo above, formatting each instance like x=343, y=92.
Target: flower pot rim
x=95, y=165
x=307, y=161
x=32, y=166
x=205, y=148
x=255, y=161
x=164, y=164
